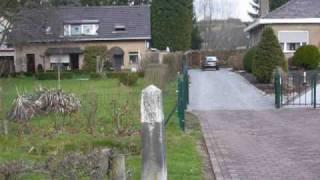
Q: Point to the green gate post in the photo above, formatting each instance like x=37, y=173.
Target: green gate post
x=180, y=108
x=183, y=93
x=277, y=88
x=186, y=92
x=187, y=85
x=315, y=79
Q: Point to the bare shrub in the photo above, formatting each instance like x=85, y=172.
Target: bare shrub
x=236, y=62
x=172, y=63
x=11, y=170
x=157, y=74
x=123, y=125
x=90, y=110
x=94, y=165
x=25, y=107
x=150, y=58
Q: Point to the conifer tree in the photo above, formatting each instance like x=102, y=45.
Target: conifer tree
x=269, y=55
x=172, y=24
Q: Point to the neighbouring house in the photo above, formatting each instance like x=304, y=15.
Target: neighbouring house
x=296, y=23
x=7, y=52
x=223, y=34
x=52, y=36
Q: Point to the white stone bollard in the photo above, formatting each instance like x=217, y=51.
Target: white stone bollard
x=154, y=165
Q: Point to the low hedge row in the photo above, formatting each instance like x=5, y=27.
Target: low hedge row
x=129, y=79
x=123, y=73
x=53, y=75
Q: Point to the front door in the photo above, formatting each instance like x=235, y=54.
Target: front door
x=74, y=61
x=31, y=65
x=117, y=62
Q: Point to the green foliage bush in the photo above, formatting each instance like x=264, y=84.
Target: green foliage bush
x=28, y=74
x=269, y=56
x=90, y=57
x=96, y=76
x=116, y=75
x=249, y=58
x=307, y=57
x=129, y=79
x=53, y=75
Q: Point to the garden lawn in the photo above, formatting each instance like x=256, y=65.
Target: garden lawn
x=56, y=136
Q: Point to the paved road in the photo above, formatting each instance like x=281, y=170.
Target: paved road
x=251, y=140
x=222, y=90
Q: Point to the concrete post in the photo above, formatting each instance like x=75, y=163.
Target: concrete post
x=118, y=167
x=98, y=64
x=154, y=165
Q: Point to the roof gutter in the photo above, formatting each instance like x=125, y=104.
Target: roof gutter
x=93, y=39
x=282, y=21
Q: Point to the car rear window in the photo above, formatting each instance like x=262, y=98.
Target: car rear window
x=211, y=59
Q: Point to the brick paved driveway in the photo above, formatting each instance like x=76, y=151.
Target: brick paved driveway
x=258, y=143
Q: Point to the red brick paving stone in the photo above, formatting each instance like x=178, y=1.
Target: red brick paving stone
x=263, y=145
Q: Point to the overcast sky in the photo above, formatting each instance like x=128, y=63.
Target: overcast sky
x=224, y=8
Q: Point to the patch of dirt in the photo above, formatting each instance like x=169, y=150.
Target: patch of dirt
x=267, y=88
x=192, y=122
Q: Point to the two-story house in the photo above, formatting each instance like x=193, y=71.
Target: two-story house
x=296, y=23
x=60, y=35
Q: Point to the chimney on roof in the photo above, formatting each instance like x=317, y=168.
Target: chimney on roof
x=264, y=7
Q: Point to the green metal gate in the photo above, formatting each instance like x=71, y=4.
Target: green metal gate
x=183, y=95
x=296, y=89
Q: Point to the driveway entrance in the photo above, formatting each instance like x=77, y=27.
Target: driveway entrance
x=225, y=90
x=247, y=138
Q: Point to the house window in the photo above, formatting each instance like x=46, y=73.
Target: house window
x=80, y=29
x=119, y=28
x=48, y=30
x=282, y=46
x=62, y=60
x=290, y=41
x=89, y=29
x=134, y=57
x=75, y=30
x=67, y=30
x=293, y=46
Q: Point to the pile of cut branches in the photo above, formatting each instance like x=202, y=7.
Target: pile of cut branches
x=43, y=101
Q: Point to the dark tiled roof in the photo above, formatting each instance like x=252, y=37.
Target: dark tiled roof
x=31, y=25
x=297, y=9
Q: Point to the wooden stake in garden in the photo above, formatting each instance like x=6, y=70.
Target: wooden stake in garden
x=153, y=136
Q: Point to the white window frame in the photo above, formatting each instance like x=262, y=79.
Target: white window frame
x=135, y=53
x=82, y=33
x=80, y=29
x=285, y=49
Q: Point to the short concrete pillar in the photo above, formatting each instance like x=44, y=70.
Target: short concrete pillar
x=118, y=167
x=154, y=165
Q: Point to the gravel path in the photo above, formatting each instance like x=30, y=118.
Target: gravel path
x=225, y=90
x=247, y=138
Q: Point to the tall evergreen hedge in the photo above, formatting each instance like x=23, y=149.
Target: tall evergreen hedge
x=268, y=55
x=171, y=24
x=249, y=59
